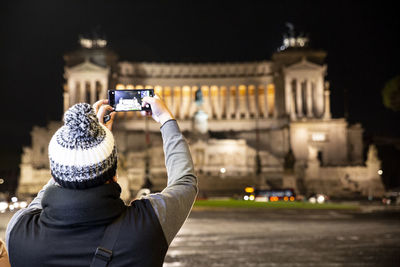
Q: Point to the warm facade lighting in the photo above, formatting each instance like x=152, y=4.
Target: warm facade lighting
x=158, y=90
x=318, y=137
x=130, y=86
x=120, y=86
x=92, y=43
x=271, y=98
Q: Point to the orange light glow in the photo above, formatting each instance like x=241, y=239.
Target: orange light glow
x=271, y=98
x=205, y=90
x=242, y=90
x=158, y=90
x=130, y=86
x=291, y=198
x=286, y=198
x=249, y=189
x=214, y=91
x=167, y=91
x=186, y=91
x=252, y=90
x=120, y=86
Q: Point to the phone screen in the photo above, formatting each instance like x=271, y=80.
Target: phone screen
x=129, y=100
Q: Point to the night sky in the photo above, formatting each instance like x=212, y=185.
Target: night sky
x=359, y=36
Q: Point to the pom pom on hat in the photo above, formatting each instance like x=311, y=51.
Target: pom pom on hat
x=81, y=120
x=82, y=153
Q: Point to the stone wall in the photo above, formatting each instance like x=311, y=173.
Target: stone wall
x=345, y=181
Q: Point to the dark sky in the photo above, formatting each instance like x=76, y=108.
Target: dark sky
x=359, y=36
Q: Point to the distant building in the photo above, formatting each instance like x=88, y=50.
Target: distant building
x=244, y=122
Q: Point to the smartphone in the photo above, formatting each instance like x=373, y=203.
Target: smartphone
x=129, y=100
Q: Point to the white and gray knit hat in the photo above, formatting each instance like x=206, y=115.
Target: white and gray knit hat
x=82, y=152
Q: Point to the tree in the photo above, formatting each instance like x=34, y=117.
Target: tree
x=391, y=94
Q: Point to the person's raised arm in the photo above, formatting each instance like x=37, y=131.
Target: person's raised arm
x=174, y=203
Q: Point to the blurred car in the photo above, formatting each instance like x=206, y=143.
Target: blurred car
x=269, y=195
x=318, y=198
x=392, y=197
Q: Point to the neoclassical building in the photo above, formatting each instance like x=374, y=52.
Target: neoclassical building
x=262, y=124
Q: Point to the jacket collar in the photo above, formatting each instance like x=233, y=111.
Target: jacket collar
x=93, y=206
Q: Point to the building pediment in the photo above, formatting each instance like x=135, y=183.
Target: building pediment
x=305, y=65
x=86, y=66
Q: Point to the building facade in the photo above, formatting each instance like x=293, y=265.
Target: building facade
x=243, y=122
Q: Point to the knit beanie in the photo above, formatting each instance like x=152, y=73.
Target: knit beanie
x=82, y=152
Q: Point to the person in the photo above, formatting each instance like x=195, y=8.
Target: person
x=66, y=222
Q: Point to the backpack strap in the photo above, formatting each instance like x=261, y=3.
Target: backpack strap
x=103, y=254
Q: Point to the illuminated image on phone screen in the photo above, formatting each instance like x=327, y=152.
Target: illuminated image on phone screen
x=129, y=100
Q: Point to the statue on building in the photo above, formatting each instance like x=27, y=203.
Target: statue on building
x=200, y=119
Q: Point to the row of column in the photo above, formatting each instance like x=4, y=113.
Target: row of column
x=88, y=91
x=304, y=97
x=219, y=102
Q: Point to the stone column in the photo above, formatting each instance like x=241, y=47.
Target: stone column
x=178, y=101
x=220, y=103
x=299, y=98
x=104, y=88
x=167, y=91
x=66, y=100
x=253, y=103
x=266, y=111
x=173, y=102
x=215, y=103
x=185, y=101
x=319, y=96
x=260, y=100
x=274, y=110
x=243, y=107
x=327, y=105
x=192, y=105
x=237, y=103
x=72, y=91
x=256, y=102
x=83, y=92
x=206, y=101
x=229, y=102
x=309, y=99
x=93, y=92
x=223, y=92
x=288, y=94
x=292, y=110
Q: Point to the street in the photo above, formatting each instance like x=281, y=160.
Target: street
x=284, y=238
x=287, y=238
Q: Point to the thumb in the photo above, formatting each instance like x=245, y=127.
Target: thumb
x=149, y=99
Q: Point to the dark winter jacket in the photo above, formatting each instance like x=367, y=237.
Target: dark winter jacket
x=63, y=227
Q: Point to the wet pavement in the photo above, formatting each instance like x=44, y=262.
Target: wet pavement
x=287, y=238
x=293, y=238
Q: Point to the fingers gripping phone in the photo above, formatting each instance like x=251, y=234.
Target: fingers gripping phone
x=129, y=100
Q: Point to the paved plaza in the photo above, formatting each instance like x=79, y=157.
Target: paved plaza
x=284, y=238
